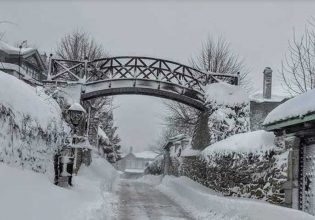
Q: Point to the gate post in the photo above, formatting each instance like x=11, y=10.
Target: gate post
x=167, y=159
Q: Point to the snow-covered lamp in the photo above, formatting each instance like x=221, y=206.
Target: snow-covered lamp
x=76, y=113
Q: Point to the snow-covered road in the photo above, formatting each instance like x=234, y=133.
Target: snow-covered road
x=141, y=201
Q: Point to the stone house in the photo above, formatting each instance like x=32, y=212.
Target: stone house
x=24, y=63
x=136, y=162
x=294, y=121
x=261, y=103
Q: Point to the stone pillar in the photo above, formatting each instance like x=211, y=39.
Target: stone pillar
x=201, y=137
x=167, y=161
x=291, y=186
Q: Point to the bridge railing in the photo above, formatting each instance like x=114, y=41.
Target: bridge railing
x=132, y=67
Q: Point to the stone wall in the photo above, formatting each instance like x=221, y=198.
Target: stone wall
x=258, y=176
x=259, y=111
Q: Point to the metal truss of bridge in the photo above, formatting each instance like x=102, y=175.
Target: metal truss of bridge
x=136, y=75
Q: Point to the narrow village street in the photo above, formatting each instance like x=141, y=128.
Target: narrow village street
x=139, y=200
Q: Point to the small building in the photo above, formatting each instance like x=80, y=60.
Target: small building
x=294, y=120
x=263, y=102
x=136, y=162
x=24, y=63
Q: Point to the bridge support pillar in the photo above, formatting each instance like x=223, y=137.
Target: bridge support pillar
x=201, y=137
x=167, y=161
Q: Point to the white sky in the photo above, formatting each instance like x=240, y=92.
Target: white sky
x=258, y=30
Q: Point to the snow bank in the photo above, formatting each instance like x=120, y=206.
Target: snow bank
x=29, y=195
x=32, y=127
x=206, y=204
x=24, y=99
x=223, y=93
x=299, y=106
x=249, y=142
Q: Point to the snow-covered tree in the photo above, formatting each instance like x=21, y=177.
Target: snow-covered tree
x=79, y=45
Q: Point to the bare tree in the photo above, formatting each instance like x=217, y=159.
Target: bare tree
x=77, y=45
x=215, y=56
x=298, y=66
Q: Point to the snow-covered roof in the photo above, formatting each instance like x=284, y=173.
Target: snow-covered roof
x=297, y=107
x=15, y=50
x=245, y=143
x=188, y=152
x=146, y=154
x=258, y=97
x=225, y=94
x=77, y=107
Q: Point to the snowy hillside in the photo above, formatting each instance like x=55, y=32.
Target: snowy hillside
x=25, y=100
x=31, y=125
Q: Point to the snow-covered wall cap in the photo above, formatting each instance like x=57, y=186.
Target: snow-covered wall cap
x=299, y=106
x=14, y=50
x=250, y=142
x=77, y=107
x=225, y=94
x=146, y=154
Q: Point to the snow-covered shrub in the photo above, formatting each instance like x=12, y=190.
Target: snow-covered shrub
x=228, y=108
x=31, y=126
x=156, y=167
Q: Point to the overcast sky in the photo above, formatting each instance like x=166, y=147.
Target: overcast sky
x=258, y=31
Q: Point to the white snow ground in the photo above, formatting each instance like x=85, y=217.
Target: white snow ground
x=31, y=196
x=205, y=204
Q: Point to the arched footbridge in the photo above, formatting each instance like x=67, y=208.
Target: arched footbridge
x=136, y=75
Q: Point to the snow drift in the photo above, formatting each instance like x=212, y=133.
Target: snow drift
x=30, y=195
x=206, y=204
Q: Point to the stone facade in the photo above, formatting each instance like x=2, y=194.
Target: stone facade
x=259, y=111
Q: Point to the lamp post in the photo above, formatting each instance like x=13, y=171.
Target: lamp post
x=66, y=159
x=20, y=48
x=77, y=116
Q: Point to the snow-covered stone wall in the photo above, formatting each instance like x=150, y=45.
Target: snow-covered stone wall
x=250, y=165
x=228, y=108
x=31, y=125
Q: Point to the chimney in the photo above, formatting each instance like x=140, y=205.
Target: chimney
x=267, y=83
x=130, y=150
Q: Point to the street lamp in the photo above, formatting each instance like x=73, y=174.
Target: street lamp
x=65, y=160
